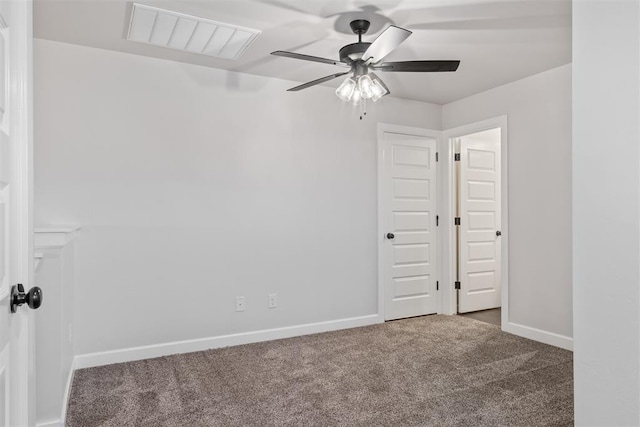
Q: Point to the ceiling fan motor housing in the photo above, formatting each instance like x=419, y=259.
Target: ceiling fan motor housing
x=353, y=52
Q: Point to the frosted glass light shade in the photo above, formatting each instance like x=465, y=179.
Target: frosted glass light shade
x=362, y=88
x=365, y=85
x=378, y=90
x=357, y=96
x=346, y=89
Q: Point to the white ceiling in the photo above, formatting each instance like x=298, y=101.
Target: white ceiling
x=497, y=41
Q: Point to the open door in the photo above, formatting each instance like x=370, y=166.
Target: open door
x=17, y=351
x=479, y=232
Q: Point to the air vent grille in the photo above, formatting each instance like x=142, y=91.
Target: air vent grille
x=188, y=33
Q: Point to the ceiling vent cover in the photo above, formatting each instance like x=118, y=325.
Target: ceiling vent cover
x=189, y=33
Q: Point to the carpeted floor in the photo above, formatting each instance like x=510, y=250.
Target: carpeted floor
x=425, y=371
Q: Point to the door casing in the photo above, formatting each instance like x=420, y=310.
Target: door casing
x=447, y=206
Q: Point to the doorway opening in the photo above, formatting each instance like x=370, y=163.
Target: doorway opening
x=475, y=241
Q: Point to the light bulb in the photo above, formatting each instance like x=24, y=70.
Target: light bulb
x=365, y=84
x=378, y=90
x=357, y=96
x=346, y=89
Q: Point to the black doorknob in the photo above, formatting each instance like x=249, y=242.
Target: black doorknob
x=33, y=298
x=390, y=236
x=498, y=233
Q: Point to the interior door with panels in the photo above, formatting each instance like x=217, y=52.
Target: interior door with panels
x=17, y=350
x=479, y=246
x=408, y=222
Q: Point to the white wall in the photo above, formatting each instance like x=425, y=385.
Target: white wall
x=606, y=212
x=539, y=193
x=195, y=185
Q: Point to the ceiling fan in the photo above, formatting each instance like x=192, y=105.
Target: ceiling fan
x=363, y=59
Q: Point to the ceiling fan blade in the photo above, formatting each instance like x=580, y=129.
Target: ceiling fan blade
x=418, y=66
x=317, y=82
x=309, y=58
x=386, y=42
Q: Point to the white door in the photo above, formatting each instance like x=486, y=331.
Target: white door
x=407, y=219
x=479, y=211
x=16, y=250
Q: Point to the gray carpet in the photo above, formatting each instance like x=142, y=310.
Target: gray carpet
x=426, y=371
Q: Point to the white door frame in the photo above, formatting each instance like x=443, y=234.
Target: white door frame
x=447, y=211
x=429, y=133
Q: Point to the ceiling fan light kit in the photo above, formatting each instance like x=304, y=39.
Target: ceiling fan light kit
x=363, y=58
x=365, y=87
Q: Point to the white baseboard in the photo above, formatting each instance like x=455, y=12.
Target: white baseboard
x=146, y=352
x=67, y=393
x=54, y=423
x=550, y=338
x=65, y=400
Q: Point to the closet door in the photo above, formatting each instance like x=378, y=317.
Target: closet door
x=407, y=182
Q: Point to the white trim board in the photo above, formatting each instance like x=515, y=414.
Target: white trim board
x=54, y=237
x=67, y=393
x=158, y=350
x=545, y=337
x=65, y=401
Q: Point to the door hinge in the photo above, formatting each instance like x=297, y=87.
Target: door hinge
x=436, y=156
x=456, y=220
x=437, y=220
x=457, y=285
x=456, y=157
x=437, y=286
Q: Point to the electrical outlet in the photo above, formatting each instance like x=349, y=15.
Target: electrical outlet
x=273, y=300
x=240, y=306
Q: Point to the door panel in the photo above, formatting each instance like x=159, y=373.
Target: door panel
x=16, y=250
x=481, y=191
x=408, y=206
x=479, y=249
